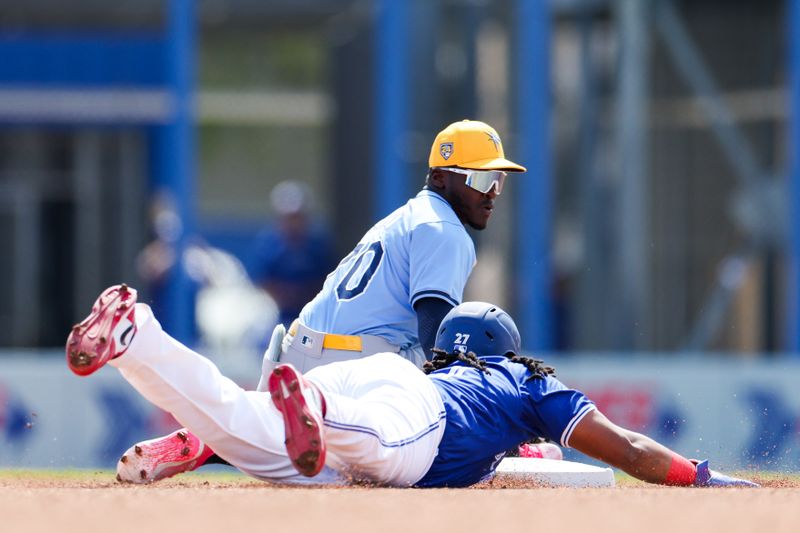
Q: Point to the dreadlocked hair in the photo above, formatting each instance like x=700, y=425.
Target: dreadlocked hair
x=536, y=367
x=442, y=359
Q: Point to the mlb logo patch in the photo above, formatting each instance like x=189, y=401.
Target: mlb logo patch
x=446, y=150
x=308, y=342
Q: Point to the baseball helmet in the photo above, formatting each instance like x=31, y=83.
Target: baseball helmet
x=478, y=327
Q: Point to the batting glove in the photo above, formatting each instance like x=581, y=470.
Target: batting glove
x=709, y=478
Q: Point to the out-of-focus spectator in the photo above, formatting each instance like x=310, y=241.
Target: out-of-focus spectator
x=231, y=312
x=228, y=311
x=292, y=257
x=157, y=261
x=158, y=257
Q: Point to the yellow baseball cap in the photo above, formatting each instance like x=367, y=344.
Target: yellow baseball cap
x=470, y=144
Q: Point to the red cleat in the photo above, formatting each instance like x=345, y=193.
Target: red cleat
x=105, y=334
x=156, y=459
x=303, y=407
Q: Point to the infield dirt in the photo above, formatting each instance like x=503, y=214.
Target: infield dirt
x=98, y=504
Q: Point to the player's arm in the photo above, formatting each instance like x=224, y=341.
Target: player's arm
x=638, y=455
x=441, y=257
x=642, y=457
x=430, y=312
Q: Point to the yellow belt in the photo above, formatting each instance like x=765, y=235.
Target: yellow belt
x=331, y=341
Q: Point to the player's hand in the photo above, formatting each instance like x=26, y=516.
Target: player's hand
x=709, y=478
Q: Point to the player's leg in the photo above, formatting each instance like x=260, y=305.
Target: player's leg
x=89, y=347
x=183, y=451
x=243, y=427
x=303, y=408
x=383, y=418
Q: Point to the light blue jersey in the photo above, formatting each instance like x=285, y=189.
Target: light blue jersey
x=421, y=250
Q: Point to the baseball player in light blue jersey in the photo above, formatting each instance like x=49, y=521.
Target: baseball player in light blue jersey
x=419, y=254
x=409, y=269
x=391, y=292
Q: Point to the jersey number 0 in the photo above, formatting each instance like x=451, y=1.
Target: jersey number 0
x=364, y=261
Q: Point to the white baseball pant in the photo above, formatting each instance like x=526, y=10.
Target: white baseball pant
x=243, y=427
x=384, y=417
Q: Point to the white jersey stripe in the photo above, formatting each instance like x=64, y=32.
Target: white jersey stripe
x=433, y=294
x=574, y=422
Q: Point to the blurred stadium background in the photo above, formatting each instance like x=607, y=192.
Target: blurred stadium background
x=650, y=251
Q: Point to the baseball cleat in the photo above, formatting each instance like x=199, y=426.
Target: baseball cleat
x=156, y=459
x=541, y=450
x=105, y=334
x=302, y=407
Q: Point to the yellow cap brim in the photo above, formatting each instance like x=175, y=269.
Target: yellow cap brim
x=498, y=163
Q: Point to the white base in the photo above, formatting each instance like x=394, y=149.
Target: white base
x=554, y=473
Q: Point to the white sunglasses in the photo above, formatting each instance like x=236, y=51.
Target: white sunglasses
x=482, y=180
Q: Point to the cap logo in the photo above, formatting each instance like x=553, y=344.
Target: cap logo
x=446, y=150
x=495, y=139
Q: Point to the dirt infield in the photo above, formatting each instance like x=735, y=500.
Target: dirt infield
x=98, y=504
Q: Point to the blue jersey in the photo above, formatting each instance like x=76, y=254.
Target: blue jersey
x=279, y=257
x=297, y=263
x=489, y=414
x=420, y=250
